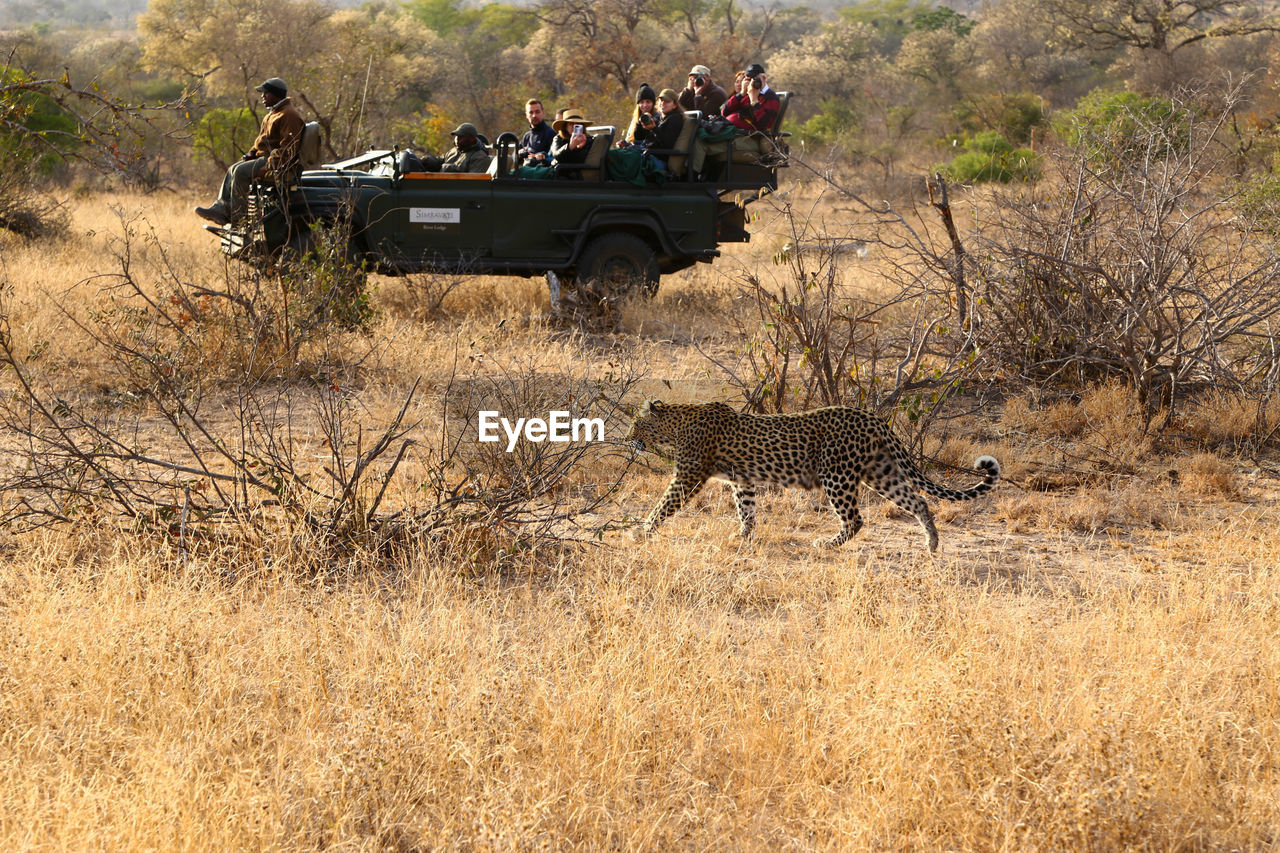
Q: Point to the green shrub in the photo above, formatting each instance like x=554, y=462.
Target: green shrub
x=1259, y=198
x=1124, y=125
x=35, y=131
x=988, y=156
x=836, y=119
x=1015, y=116
x=223, y=135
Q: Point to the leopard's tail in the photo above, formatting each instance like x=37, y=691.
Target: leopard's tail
x=990, y=469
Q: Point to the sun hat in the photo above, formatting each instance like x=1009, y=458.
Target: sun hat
x=573, y=115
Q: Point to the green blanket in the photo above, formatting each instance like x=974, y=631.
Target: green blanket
x=539, y=172
x=634, y=165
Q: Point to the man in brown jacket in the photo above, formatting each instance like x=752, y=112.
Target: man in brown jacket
x=702, y=94
x=274, y=152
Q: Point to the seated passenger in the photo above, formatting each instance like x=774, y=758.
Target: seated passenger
x=753, y=105
x=572, y=143
x=644, y=120
x=535, y=146
x=753, y=110
x=701, y=94
x=467, y=155
x=664, y=136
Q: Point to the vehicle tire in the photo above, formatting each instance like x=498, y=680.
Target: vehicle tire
x=617, y=263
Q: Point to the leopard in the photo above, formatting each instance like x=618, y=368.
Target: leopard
x=834, y=449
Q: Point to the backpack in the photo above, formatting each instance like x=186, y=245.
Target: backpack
x=716, y=129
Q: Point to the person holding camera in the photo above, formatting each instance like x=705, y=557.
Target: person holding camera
x=753, y=110
x=667, y=133
x=701, y=93
x=644, y=120
x=274, y=154
x=753, y=107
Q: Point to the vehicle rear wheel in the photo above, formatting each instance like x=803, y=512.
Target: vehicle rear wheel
x=617, y=263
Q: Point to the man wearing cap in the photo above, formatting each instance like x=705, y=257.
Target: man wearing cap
x=702, y=94
x=274, y=153
x=753, y=105
x=467, y=155
x=753, y=109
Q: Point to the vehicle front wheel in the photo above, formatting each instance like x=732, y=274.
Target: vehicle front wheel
x=617, y=263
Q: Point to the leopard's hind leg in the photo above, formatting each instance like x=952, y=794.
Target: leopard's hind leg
x=889, y=482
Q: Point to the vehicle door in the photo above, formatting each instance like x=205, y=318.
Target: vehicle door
x=540, y=218
x=435, y=220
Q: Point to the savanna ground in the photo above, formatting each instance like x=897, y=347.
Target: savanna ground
x=1089, y=662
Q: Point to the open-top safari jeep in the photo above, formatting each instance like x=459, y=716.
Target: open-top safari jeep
x=595, y=227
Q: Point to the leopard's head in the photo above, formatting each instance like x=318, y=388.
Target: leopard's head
x=653, y=425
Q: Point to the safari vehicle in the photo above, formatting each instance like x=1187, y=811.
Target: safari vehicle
x=595, y=227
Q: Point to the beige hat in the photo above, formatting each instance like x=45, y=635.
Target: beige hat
x=573, y=115
x=700, y=69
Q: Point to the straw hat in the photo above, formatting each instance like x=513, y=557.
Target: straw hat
x=572, y=116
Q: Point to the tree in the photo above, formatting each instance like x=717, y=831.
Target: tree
x=375, y=63
x=601, y=39
x=834, y=61
x=232, y=45
x=46, y=122
x=481, y=59
x=1155, y=32
x=329, y=58
x=1019, y=49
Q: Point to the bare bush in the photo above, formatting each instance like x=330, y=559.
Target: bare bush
x=427, y=291
x=533, y=491
x=187, y=437
x=26, y=209
x=1135, y=266
x=817, y=335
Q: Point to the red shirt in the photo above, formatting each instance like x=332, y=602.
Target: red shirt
x=740, y=113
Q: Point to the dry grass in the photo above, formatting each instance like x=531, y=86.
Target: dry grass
x=1092, y=666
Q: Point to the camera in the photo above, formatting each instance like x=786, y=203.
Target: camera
x=699, y=80
x=755, y=83
x=646, y=119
